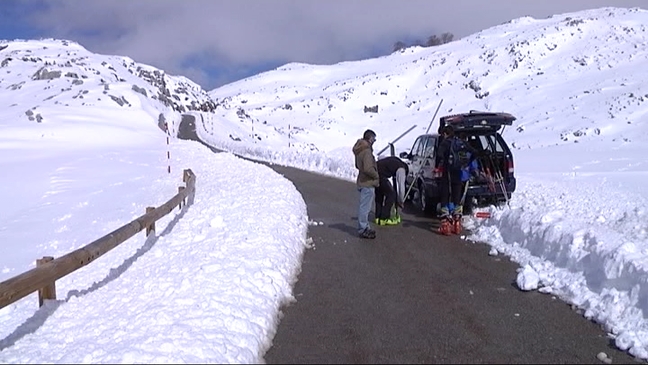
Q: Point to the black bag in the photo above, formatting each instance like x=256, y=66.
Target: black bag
x=458, y=155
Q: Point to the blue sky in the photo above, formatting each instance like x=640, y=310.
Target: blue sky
x=218, y=42
x=13, y=23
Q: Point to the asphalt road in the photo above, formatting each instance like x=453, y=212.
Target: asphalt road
x=413, y=296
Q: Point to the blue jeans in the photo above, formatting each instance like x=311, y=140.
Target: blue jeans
x=364, y=207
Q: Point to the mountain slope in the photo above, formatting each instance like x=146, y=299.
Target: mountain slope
x=40, y=78
x=542, y=71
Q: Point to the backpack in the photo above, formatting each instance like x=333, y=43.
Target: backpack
x=458, y=155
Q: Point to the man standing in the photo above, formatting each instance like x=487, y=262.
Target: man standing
x=386, y=196
x=367, y=180
x=454, y=155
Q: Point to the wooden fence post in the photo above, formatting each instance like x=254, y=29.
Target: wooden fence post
x=190, y=184
x=150, y=228
x=183, y=201
x=49, y=290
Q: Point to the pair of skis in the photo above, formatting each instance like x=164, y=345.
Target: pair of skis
x=498, y=178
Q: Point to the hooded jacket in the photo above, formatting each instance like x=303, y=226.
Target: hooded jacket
x=366, y=164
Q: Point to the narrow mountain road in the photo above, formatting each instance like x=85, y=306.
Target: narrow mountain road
x=412, y=296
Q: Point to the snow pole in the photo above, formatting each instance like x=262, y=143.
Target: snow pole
x=434, y=117
x=168, y=137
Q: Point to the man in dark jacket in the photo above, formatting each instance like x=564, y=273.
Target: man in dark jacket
x=451, y=184
x=386, y=196
x=366, y=181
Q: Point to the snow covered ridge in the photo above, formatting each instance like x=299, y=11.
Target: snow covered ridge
x=40, y=73
x=505, y=68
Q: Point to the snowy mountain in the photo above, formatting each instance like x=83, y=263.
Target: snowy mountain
x=511, y=67
x=39, y=79
x=543, y=71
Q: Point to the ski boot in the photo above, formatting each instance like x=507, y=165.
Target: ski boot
x=446, y=226
x=456, y=224
x=387, y=222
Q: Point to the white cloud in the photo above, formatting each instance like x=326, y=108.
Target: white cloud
x=230, y=34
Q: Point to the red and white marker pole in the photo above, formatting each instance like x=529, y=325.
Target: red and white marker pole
x=166, y=126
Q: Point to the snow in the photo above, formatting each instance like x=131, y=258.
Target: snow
x=207, y=287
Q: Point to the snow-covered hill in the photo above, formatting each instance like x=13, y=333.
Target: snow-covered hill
x=40, y=79
x=543, y=71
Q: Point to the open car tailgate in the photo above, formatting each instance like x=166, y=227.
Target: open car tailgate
x=476, y=120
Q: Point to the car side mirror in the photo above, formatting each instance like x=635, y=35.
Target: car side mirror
x=405, y=155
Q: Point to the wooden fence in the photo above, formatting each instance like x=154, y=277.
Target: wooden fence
x=43, y=277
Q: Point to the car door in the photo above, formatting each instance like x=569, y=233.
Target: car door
x=427, y=162
x=423, y=157
x=412, y=160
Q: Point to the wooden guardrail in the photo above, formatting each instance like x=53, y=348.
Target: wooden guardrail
x=43, y=277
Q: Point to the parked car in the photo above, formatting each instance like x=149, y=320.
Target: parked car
x=495, y=161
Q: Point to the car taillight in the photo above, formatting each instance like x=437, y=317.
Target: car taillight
x=509, y=163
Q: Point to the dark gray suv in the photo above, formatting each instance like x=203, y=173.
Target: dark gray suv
x=495, y=161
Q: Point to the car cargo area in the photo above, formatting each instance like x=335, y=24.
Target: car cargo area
x=493, y=181
x=494, y=175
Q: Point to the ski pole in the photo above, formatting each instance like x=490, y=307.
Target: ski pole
x=412, y=184
x=418, y=173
